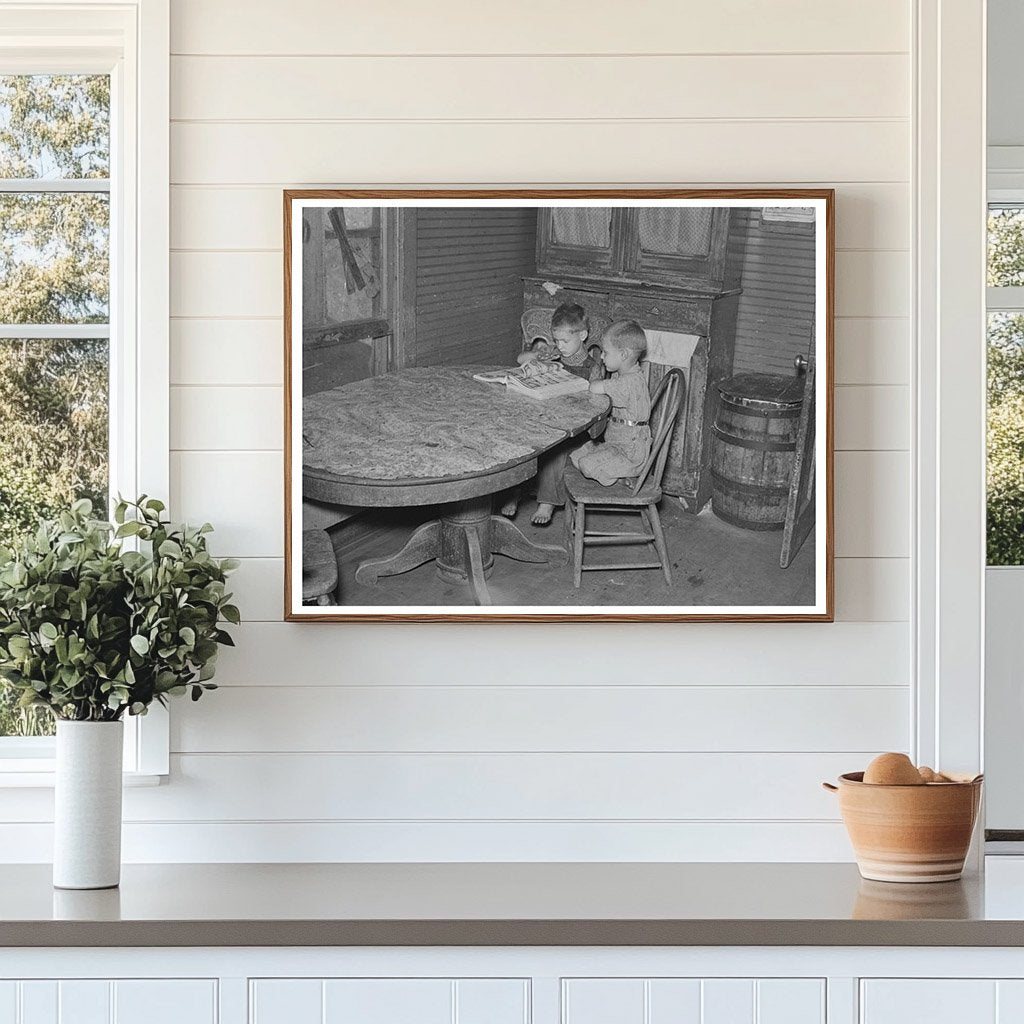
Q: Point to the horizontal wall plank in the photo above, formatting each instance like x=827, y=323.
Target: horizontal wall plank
x=872, y=418
x=872, y=589
x=376, y=787
x=738, y=152
x=872, y=504
x=276, y=88
x=250, y=418
x=631, y=719
x=797, y=654
x=235, y=284
x=867, y=589
x=241, y=493
x=868, y=216
x=227, y=352
x=459, y=842
x=873, y=283
x=868, y=350
x=461, y=26
x=239, y=418
x=872, y=350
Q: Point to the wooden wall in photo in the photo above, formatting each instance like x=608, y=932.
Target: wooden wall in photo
x=470, y=265
x=776, y=312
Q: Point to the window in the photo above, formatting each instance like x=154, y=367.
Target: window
x=54, y=308
x=83, y=263
x=1005, y=477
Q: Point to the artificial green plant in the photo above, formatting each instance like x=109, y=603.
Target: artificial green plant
x=92, y=630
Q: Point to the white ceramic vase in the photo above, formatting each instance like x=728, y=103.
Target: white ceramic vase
x=87, y=806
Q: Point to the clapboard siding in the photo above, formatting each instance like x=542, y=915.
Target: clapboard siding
x=263, y=88
x=869, y=283
x=466, y=719
x=846, y=654
x=867, y=589
x=442, y=742
x=214, y=417
x=228, y=487
x=456, y=26
x=570, y=152
x=775, y=321
x=870, y=215
x=470, y=265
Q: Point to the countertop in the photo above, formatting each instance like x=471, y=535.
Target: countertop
x=557, y=904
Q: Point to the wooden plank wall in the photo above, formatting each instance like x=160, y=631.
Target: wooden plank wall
x=658, y=742
x=470, y=265
x=775, y=322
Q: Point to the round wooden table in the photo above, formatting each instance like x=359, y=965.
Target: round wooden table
x=433, y=435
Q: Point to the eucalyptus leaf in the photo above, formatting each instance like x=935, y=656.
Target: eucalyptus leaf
x=93, y=631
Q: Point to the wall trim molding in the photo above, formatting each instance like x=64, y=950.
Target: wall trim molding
x=949, y=446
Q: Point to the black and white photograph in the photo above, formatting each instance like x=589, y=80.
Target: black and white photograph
x=558, y=405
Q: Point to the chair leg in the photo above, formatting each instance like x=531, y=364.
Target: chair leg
x=581, y=514
x=659, y=542
x=567, y=513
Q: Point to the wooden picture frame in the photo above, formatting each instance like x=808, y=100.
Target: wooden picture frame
x=385, y=426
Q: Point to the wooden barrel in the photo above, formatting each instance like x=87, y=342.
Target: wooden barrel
x=753, y=449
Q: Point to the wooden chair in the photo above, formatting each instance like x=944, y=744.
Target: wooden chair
x=536, y=323
x=319, y=568
x=641, y=496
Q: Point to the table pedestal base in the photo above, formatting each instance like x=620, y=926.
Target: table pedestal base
x=464, y=542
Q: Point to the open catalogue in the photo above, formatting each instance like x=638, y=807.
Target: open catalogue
x=551, y=382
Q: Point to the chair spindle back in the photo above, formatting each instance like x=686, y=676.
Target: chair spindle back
x=665, y=405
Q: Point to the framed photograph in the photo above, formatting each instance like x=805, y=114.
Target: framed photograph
x=558, y=405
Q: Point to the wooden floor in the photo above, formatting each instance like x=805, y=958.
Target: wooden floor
x=713, y=563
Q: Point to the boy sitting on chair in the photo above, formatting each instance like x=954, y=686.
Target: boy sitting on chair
x=569, y=329
x=627, y=439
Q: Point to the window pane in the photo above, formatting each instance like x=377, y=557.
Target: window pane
x=1005, y=246
x=589, y=226
x=54, y=257
x=54, y=126
x=1005, y=484
x=682, y=232
x=53, y=449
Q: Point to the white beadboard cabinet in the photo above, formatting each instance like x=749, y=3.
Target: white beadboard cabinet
x=513, y=985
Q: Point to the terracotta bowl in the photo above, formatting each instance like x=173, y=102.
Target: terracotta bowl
x=909, y=833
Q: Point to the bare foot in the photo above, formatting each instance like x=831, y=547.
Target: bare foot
x=543, y=514
x=510, y=508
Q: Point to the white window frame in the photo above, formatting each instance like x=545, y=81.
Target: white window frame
x=1003, y=719
x=130, y=41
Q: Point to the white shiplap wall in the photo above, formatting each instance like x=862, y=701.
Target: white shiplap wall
x=597, y=742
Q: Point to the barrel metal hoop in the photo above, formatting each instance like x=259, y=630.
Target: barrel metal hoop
x=772, y=413
x=761, y=446
x=754, y=490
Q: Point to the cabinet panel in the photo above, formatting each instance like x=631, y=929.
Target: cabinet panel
x=388, y=1001
x=693, y=1001
x=728, y=1001
x=165, y=1002
x=492, y=1001
x=929, y=1001
x=8, y=1002
x=790, y=1001
x=286, y=1001
x=38, y=1002
x=85, y=1002
x=603, y=1001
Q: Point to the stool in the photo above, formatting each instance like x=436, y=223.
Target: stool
x=319, y=568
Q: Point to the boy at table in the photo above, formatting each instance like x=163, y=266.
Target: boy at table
x=569, y=331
